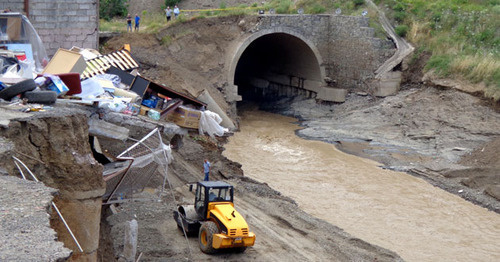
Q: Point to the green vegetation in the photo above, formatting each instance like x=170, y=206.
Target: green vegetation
x=459, y=34
x=171, y=3
x=109, y=9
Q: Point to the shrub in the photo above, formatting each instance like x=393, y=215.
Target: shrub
x=112, y=8
x=171, y=3
x=400, y=16
x=440, y=63
x=359, y=2
x=401, y=30
x=316, y=9
x=166, y=40
x=284, y=7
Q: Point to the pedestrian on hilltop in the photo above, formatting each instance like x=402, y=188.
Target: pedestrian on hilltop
x=176, y=11
x=129, y=23
x=137, y=19
x=206, y=169
x=168, y=13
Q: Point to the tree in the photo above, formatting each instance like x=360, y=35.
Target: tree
x=171, y=3
x=111, y=8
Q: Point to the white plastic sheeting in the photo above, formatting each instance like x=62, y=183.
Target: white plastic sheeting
x=210, y=124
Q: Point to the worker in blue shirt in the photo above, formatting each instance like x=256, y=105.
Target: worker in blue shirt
x=206, y=169
x=137, y=18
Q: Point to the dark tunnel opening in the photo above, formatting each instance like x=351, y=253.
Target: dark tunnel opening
x=277, y=65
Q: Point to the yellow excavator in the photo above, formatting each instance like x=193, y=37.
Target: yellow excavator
x=214, y=218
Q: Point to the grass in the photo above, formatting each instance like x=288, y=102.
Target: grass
x=461, y=35
x=150, y=23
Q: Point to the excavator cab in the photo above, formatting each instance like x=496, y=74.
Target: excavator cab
x=214, y=218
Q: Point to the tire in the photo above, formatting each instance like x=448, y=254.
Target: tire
x=240, y=249
x=16, y=89
x=41, y=97
x=205, y=237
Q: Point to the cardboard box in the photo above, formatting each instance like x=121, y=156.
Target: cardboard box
x=11, y=26
x=185, y=117
x=65, y=61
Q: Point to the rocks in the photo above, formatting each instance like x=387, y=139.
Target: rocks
x=25, y=233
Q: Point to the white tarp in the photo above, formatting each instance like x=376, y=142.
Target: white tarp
x=210, y=124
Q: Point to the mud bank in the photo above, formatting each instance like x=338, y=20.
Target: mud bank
x=440, y=135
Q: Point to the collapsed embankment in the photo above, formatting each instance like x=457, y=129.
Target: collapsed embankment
x=54, y=146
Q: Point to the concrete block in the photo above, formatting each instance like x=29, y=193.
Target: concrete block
x=102, y=128
x=332, y=94
x=387, y=85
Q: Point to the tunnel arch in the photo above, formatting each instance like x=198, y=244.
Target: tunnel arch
x=274, y=54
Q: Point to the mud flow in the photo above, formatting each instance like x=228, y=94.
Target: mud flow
x=391, y=209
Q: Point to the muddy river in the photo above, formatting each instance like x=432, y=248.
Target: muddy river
x=391, y=209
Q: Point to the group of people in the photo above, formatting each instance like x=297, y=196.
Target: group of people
x=129, y=22
x=168, y=12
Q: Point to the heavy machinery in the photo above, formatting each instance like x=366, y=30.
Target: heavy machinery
x=214, y=218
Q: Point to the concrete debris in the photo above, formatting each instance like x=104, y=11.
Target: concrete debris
x=102, y=128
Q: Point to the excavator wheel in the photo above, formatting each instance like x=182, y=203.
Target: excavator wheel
x=205, y=237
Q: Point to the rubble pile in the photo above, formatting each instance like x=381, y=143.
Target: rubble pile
x=112, y=82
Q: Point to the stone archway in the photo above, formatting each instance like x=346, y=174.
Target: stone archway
x=277, y=55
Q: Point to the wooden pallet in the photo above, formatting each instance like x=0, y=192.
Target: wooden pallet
x=120, y=59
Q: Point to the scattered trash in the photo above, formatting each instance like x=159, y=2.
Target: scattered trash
x=65, y=61
x=153, y=114
x=84, y=76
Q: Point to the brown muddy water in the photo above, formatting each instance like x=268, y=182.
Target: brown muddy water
x=391, y=209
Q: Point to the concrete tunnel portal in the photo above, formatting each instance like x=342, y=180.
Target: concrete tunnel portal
x=276, y=64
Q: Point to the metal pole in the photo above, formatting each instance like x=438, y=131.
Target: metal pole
x=67, y=227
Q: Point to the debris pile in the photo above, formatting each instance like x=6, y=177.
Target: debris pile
x=112, y=82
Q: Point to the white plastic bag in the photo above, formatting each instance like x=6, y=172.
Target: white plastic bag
x=210, y=124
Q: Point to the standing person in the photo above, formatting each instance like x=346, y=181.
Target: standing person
x=129, y=23
x=168, y=12
x=137, y=18
x=206, y=169
x=176, y=11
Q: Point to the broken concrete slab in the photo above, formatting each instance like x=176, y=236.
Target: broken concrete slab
x=7, y=115
x=102, y=128
x=387, y=85
x=205, y=97
x=332, y=94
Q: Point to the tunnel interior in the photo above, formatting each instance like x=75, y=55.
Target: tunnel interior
x=276, y=61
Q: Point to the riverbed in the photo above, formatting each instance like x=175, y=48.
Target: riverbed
x=391, y=209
